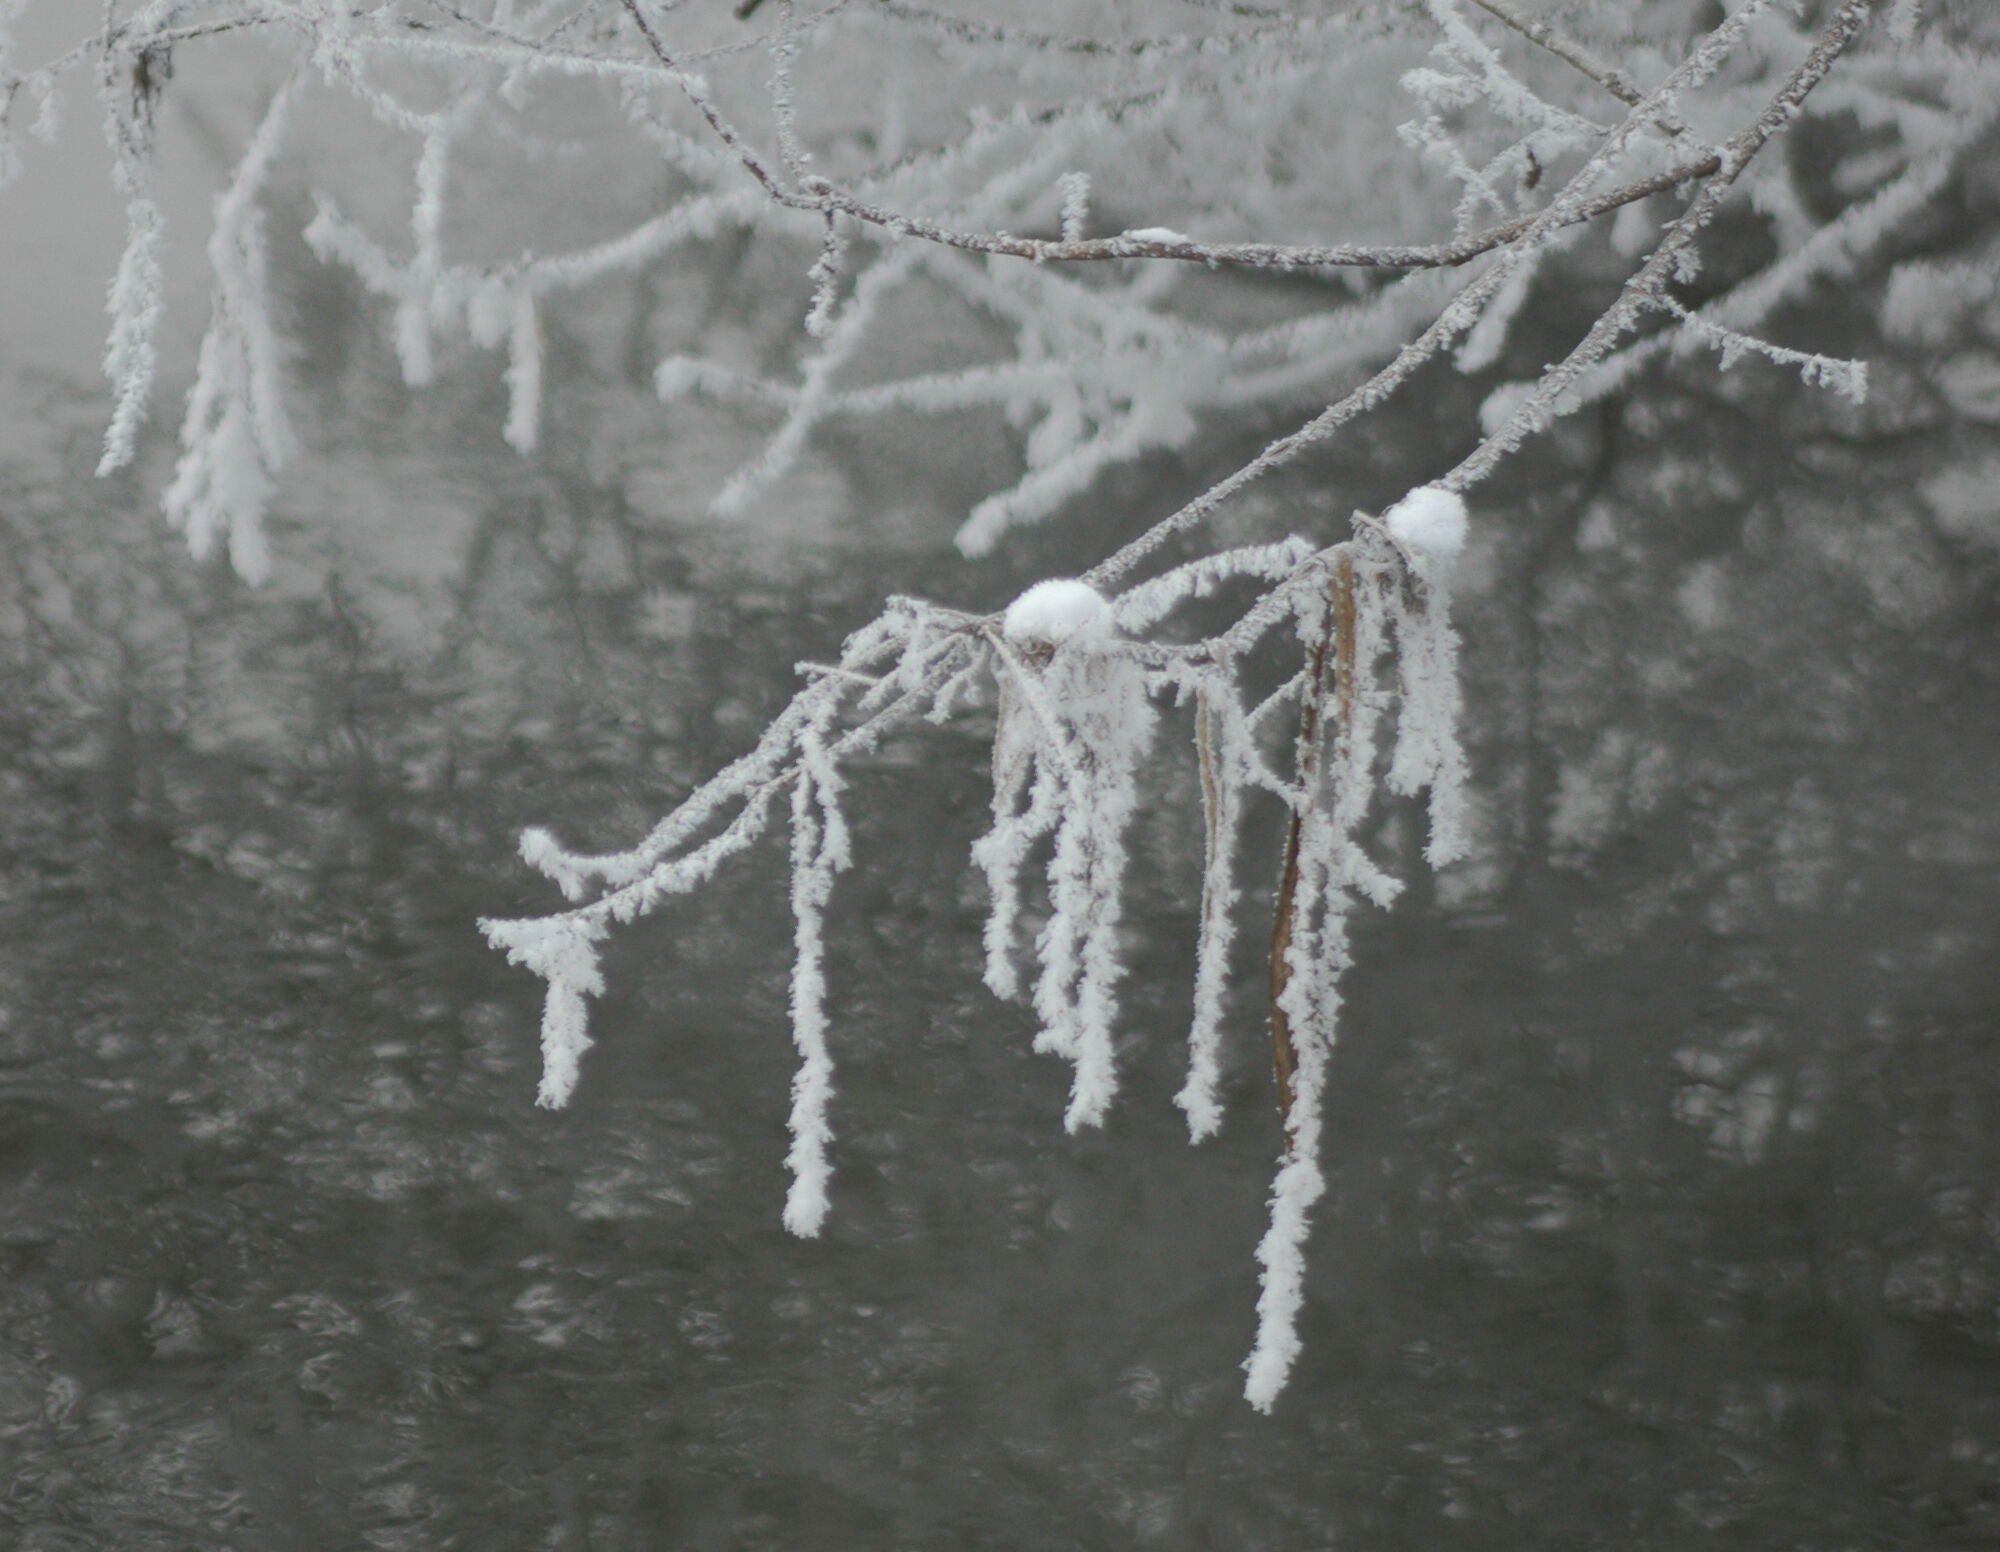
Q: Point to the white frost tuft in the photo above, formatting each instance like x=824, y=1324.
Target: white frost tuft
x=1429, y=523
x=1056, y=612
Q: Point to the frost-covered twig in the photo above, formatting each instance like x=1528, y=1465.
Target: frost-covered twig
x=236, y=435
x=1845, y=376
x=1545, y=34
x=129, y=86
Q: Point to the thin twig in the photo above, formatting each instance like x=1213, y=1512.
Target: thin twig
x=969, y=31
x=1571, y=52
x=1279, y=256
x=752, y=163
x=1333, y=652
x=784, y=48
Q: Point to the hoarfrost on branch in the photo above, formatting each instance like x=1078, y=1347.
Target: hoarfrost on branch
x=1522, y=135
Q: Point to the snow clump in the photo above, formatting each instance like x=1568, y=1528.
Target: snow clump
x=1429, y=526
x=1056, y=613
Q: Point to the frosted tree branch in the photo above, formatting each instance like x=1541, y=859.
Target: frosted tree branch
x=1098, y=351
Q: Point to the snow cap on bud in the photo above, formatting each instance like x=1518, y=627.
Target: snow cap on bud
x=1058, y=613
x=1429, y=526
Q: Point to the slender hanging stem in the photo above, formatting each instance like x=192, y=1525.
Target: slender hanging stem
x=1335, y=652
x=1211, y=801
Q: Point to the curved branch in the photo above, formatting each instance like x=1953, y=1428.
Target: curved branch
x=1646, y=287
x=821, y=195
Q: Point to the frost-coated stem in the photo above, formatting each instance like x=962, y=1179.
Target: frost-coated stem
x=1571, y=52
x=138, y=292
x=1281, y=1252
x=1428, y=751
x=1218, y=733
x=1330, y=664
x=1283, y=257
x=784, y=49
x=1003, y=851
x=819, y=850
x=1324, y=867
x=235, y=435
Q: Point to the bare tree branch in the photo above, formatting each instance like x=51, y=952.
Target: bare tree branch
x=1564, y=47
